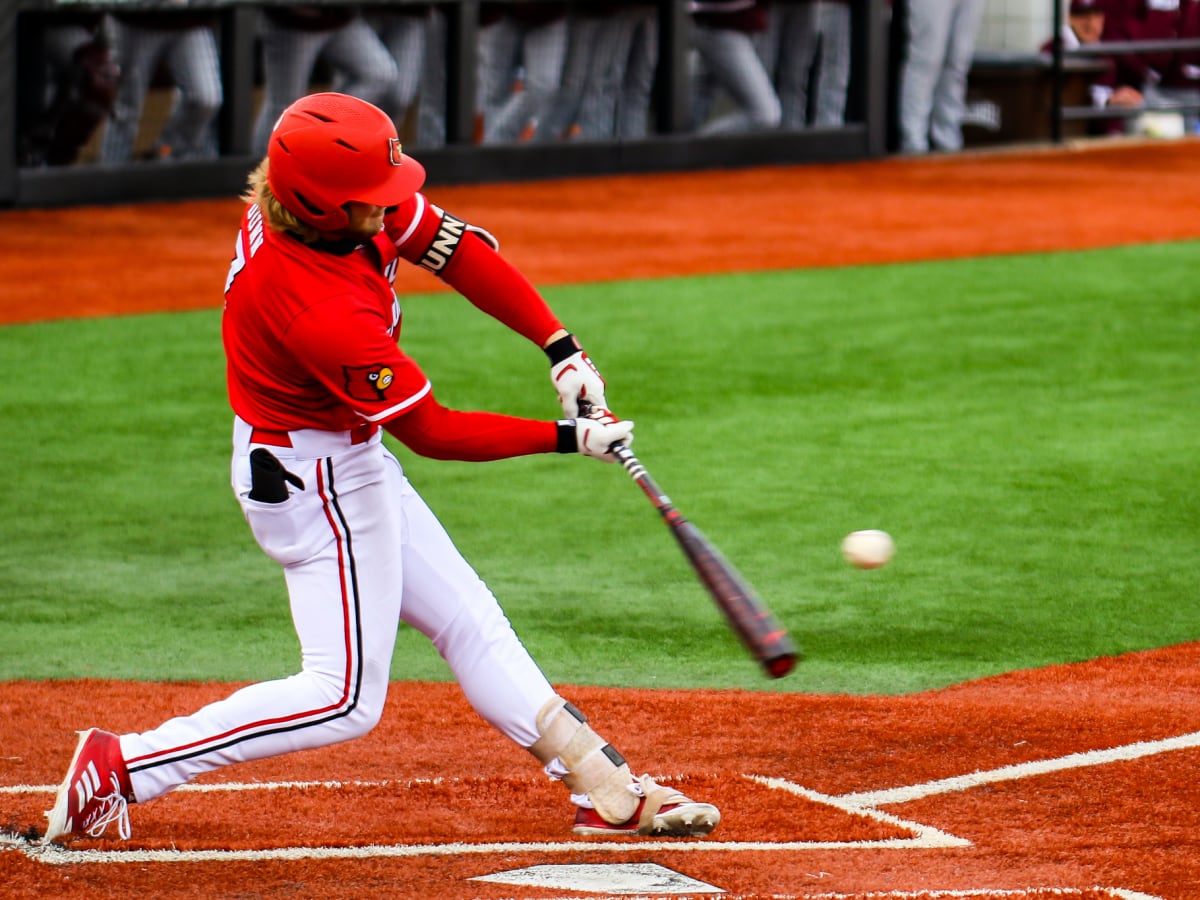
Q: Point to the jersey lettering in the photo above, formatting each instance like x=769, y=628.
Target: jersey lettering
x=254, y=226
x=449, y=234
x=236, y=264
x=254, y=231
x=396, y=313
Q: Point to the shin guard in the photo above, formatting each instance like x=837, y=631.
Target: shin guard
x=594, y=767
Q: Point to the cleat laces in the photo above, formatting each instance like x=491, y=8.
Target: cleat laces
x=110, y=808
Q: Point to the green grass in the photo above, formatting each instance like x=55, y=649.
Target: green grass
x=1024, y=426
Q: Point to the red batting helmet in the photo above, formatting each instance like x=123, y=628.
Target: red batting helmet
x=329, y=149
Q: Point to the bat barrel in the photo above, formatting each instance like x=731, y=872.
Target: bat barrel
x=748, y=616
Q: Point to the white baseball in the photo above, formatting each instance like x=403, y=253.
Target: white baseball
x=868, y=549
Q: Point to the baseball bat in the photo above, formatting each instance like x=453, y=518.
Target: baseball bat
x=745, y=611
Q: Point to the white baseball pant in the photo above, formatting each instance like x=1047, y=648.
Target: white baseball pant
x=360, y=551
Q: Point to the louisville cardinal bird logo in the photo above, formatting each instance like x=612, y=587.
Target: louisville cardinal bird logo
x=368, y=382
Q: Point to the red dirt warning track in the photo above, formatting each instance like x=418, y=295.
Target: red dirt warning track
x=1073, y=781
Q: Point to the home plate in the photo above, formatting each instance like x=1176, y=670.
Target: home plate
x=614, y=878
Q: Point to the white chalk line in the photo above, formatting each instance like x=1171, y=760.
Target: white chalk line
x=967, y=893
x=871, y=799
x=859, y=804
x=931, y=894
x=927, y=836
x=235, y=786
x=54, y=855
x=923, y=837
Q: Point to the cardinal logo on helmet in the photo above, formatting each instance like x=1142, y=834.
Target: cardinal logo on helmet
x=395, y=151
x=368, y=382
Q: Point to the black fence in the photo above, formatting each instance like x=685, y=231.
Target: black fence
x=461, y=159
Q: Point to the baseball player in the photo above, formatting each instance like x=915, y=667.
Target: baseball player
x=530, y=38
x=724, y=36
x=186, y=43
x=939, y=43
x=293, y=37
x=807, y=51
x=315, y=375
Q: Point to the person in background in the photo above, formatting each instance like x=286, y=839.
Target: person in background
x=431, y=101
x=807, y=51
x=1085, y=25
x=184, y=42
x=939, y=43
x=293, y=38
x=609, y=74
x=725, y=34
x=404, y=29
x=627, y=79
x=562, y=118
x=522, y=51
x=1167, y=78
x=1184, y=75
x=69, y=86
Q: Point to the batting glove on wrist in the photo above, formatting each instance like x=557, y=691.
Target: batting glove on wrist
x=594, y=435
x=574, y=376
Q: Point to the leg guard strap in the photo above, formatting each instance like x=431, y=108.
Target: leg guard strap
x=657, y=797
x=594, y=767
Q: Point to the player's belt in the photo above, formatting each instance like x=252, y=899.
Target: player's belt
x=358, y=435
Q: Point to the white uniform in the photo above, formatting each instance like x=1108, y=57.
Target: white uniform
x=933, y=79
x=361, y=551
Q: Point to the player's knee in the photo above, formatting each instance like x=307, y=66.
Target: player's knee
x=362, y=717
x=372, y=694
x=363, y=703
x=768, y=114
x=208, y=99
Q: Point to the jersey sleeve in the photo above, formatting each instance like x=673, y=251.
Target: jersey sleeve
x=445, y=245
x=430, y=429
x=350, y=351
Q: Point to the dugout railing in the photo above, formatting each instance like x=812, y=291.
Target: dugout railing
x=1060, y=57
x=461, y=160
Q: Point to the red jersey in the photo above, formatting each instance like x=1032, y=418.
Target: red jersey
x=310, y=334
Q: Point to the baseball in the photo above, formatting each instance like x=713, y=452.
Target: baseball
x=868, y=549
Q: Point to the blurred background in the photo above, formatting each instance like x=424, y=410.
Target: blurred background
x=165, y=99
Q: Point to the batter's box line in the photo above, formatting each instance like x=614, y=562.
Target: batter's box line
x=1036, y=893
x=924, y=837
x=959, y=783
x=971, y=893
x=52, y=854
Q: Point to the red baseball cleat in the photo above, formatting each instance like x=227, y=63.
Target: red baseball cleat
x=96, y=792
x=662, y=812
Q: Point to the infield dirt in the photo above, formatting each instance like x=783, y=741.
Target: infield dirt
x=1070, y=781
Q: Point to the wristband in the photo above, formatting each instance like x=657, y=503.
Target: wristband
x=567, y=441
x=564, y=347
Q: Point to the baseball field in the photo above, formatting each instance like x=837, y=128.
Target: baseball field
x=992, y=356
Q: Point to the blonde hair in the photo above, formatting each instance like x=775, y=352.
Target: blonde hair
x=278, y=217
